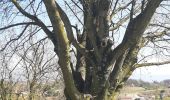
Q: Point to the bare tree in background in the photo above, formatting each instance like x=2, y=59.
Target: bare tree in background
x=37, y=64
x=103, y=61
x=7, y=81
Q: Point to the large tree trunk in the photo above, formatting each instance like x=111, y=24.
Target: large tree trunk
x=100, y=71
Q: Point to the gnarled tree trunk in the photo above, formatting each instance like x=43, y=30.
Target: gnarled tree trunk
x=101, y=70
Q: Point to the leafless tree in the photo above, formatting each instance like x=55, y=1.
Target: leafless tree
x=37, y=64
x=109, y=39
x=7, y=81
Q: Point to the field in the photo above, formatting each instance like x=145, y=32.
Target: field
x=144, y=94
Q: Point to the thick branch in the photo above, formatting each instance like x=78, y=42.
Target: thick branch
x=151, y=64
x=135, y=29
x=114, y=76
x=128, y=65
x=64, y=57
x=69, y=31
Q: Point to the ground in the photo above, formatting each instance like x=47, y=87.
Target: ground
x=130, y=93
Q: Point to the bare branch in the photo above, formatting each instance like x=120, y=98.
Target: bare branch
x=77, y=5
x=14, y=39
x=74, y=14
x=119, y=9
x=115, y=6
x=38, y=21
x=132, y=9
x=151, y=64
x=142, y=7
x=123, y=20
x=163, y=26
x=18, y=24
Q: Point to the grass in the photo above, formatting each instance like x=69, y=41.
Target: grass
x=132, y=89
x=166, y=98
x=25, y=97
x=146, y=92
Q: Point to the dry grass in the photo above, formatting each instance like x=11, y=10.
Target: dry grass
x=132, y=89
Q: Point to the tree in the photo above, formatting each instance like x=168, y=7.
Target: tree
x=7, y=83
x=102, y=65
x=36, y=65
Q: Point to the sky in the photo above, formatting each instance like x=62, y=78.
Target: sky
x=153, y=73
